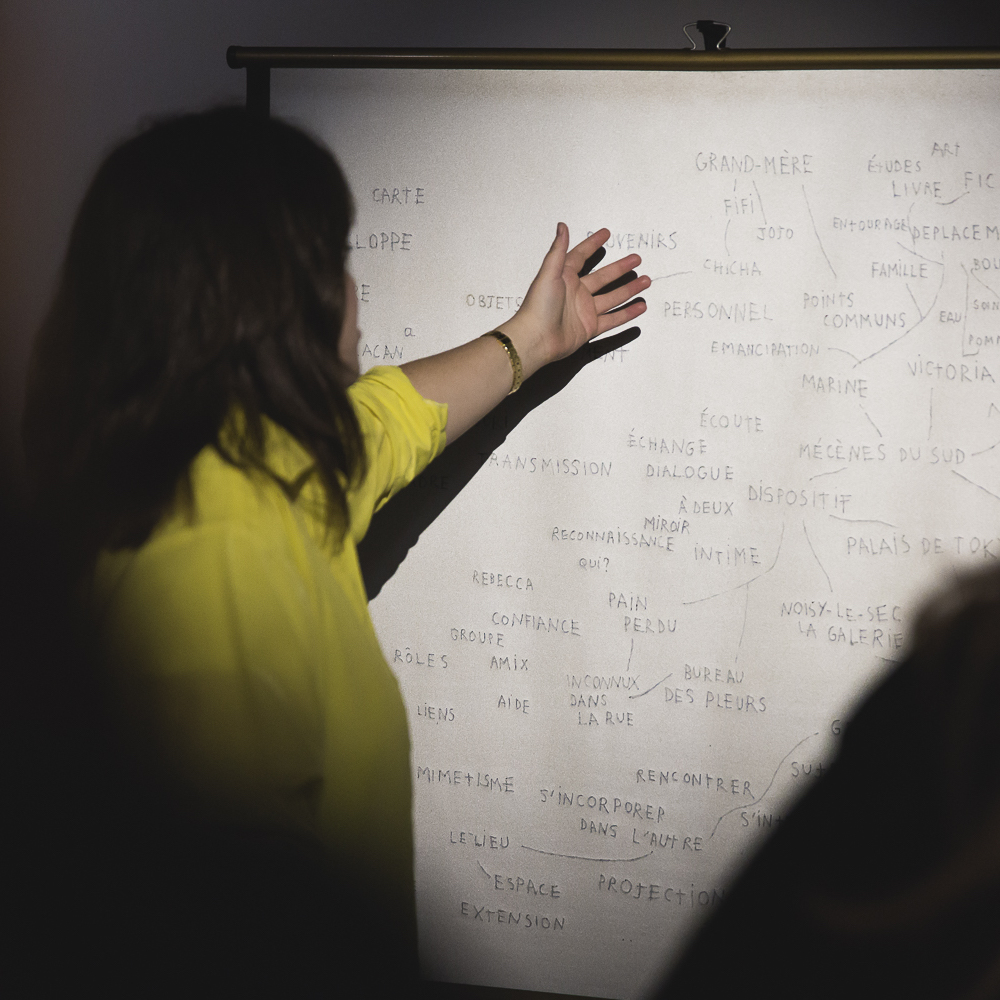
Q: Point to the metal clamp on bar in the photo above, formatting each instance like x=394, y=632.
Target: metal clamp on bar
x=713, y=32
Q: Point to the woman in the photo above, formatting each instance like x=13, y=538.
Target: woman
x=198, y=435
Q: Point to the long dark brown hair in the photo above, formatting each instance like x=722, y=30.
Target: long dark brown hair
x=204, y=275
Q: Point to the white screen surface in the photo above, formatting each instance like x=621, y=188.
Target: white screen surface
x=627, y=645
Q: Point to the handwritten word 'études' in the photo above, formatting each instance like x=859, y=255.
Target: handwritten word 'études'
x=890, y=165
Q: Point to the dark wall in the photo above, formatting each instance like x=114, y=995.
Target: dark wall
x=78, y=75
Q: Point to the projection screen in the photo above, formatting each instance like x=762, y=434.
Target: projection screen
x=631, y=640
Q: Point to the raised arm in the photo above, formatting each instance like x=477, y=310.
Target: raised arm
x=560, y=313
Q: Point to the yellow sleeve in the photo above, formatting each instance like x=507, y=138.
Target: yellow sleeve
x=403, y=433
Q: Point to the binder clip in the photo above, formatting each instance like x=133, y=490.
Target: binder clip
x=713, y=32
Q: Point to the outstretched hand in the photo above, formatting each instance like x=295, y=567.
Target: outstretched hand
x=560, y=313
x=562, y=310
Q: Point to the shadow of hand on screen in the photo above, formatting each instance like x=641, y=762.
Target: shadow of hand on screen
x=397, y=526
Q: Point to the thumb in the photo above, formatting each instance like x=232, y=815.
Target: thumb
x=555, y=259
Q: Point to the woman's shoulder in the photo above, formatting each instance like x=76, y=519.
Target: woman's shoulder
x=403, y=433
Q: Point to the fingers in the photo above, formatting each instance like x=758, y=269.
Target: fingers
x=592, y=261
x=625, y=315
x=577, y=257
x=613, y=299
x=610, y=272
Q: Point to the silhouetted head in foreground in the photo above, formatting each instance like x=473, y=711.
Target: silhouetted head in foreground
x=204, y=274
x=885, y=879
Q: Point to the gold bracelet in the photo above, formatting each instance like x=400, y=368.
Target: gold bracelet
x=515, y=360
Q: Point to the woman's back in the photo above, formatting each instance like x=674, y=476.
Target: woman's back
x=239, y=636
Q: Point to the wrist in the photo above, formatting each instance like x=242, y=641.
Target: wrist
x=527, y=343
x=517, y=371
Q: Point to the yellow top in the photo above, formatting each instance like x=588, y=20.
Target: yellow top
x=242, y=636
